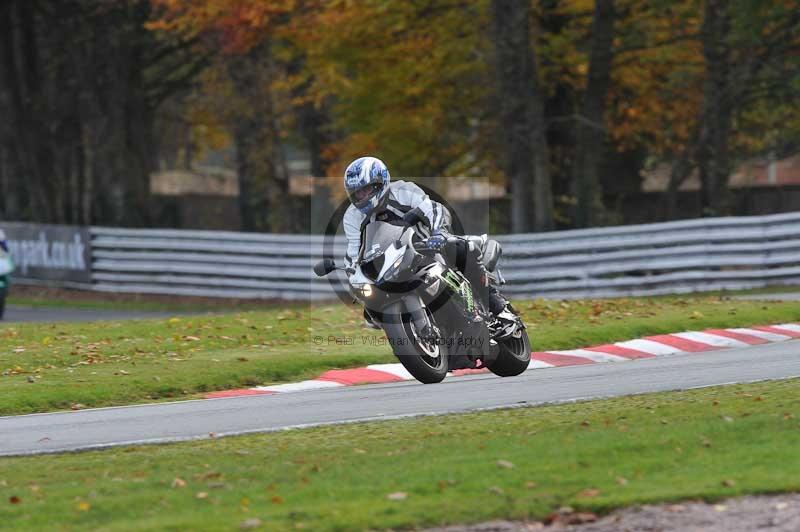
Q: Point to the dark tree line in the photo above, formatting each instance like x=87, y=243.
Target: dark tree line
x=559, y=144
x=80, y=86
x=88, y=91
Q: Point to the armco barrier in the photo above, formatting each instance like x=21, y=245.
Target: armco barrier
x=666, y=258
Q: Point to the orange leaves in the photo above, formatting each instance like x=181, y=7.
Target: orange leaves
x=238, y=25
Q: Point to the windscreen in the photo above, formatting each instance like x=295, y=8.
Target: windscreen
x=379, y=236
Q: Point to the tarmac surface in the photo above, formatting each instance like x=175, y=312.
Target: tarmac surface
x=200, y=419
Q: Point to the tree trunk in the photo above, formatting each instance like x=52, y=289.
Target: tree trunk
x=525, y=156
x=591, y=131
x=713, y=159
x=20, y=77
x=681, y=171
x=263, y=176
x=247, y=207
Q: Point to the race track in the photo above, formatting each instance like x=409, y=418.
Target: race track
x=186, y=420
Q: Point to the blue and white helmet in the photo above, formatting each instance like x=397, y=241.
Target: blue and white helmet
x=366, y=182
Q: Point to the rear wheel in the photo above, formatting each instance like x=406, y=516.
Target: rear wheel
x=424, y=358
x=514, y=355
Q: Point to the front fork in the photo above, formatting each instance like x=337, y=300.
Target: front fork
x=413, y=306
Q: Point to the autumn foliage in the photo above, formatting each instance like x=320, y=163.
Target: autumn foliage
x=616, y=88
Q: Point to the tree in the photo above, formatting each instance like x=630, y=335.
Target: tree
x=750, y=52
x=526, y=160
x=81, y=84
x=591, y=123
x=241, y=91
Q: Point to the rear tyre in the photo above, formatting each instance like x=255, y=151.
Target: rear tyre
x=514, y=355
x=424, y=359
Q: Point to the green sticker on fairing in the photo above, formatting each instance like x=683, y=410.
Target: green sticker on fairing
x=461, y=286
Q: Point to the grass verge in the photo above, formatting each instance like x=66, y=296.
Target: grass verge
x=51, y=297
x=518, y=464
x=45, y=367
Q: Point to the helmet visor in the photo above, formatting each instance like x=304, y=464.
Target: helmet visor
x=361, y=196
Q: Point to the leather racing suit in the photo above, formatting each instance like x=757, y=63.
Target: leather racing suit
x=406, y=203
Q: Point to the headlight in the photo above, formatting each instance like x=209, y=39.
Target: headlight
x=364, y=290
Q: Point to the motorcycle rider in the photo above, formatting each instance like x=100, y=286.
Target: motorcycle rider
x=374, y=197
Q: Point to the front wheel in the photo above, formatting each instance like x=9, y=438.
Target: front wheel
x=514, y=355
x=425, y=359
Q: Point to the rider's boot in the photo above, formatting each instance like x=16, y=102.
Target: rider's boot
x=496, y=302
x=468, y=260
x=487, y=292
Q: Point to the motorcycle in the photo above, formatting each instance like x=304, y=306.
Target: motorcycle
x=429, y=311
x=6, y=267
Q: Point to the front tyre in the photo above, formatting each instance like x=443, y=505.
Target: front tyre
x=425, y=359
x=514, y=355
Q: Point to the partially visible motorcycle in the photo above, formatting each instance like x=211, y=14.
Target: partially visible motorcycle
x=430, y=313
x=6, y=267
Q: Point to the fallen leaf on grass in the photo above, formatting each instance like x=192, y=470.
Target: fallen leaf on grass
x=76, y=406
x=178, y=483
x=530, y=485
x=728, y=483
x=397, y=496
x=208, y=475
x=83, y=506
x=568, y=516
x=497, y=490
x=276, y=499
x=201, y=495
x=443, y=484
x=622, y=481
x=589, y=493
x=505, y=464
x=14, y=499
x=250, y=523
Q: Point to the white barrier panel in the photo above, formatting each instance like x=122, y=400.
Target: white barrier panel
x=654, y=259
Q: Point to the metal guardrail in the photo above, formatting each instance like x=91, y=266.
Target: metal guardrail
x=666, y=258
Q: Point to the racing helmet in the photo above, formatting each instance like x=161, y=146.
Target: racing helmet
x=366, y=182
